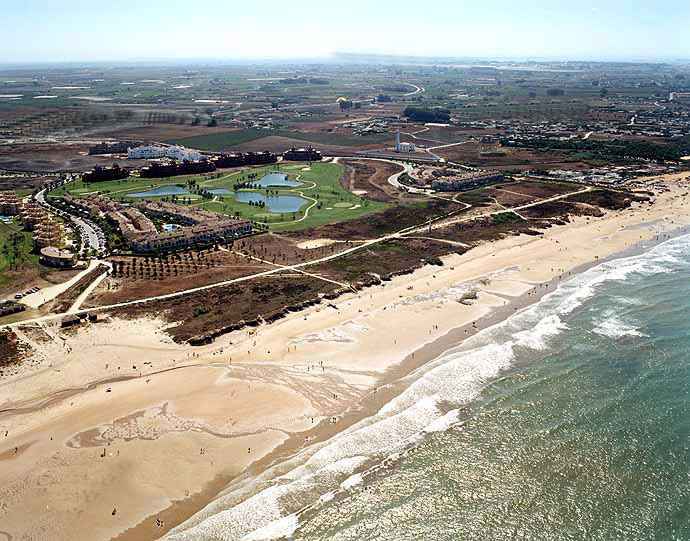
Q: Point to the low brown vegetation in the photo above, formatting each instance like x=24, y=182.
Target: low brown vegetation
x=507, y=158
x=11, y=351
x=140, y=277
x=371, y=178
x=203, y=315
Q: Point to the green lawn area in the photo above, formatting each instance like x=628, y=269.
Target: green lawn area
x=13, y=254
x=325, y=200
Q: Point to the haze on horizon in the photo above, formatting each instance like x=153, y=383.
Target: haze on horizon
x=80, y=31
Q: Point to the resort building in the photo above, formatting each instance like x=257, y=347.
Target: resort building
x=190, y=236
x=171, y=169
x=119, y=147
x=465, y=181
x=100, y=174
x=10, y=205
x=140, y=232
x=32, y=214
x=174, y=152
x=48, y=233
x=179, y=213
x=302, y=155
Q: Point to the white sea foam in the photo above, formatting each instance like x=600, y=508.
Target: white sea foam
x=278, y=529
x=457, y=377
x=443, y=423
x=537, y=337
x=614, y=327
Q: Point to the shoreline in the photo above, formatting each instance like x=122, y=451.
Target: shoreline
x=393, y=383
x=305, y=337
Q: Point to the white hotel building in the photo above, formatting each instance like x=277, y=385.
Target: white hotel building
x=151, y=151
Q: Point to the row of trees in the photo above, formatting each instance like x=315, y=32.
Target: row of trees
x=421, y=114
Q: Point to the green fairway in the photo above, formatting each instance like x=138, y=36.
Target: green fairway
x=325, y=200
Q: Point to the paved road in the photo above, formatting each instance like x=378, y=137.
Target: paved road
x=417, y=90
x=91, y=234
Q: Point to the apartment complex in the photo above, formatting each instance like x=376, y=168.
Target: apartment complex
x=204, y=227
x=302, y=155
x=461, y=182
x=48, y=233
x=174, y=152
x=119, y=147
x=171, y=169
x=140, y=232
x=10, y=205
x=100, y=174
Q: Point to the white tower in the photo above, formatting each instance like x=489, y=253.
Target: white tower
x=397, y=141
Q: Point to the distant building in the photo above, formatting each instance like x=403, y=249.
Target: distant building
x=175, y=152
x=171, y=169
x=680, y=97
x=302, y=155
x=403, y=147
x=119, y=147
x=466, y=181
x=102, y=174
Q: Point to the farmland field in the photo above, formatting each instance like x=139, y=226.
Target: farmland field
x=226, y=140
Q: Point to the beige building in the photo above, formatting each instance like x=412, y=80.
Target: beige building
x=10, y=205
x=54, y=257
x=48, y=233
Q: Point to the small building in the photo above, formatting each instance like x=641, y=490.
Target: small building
x=403, y=147
x=54, y=257
x=70, y=321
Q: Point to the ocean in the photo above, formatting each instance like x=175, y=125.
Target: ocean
x=569, y=420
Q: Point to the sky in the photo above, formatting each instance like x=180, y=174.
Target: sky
x=125, y=30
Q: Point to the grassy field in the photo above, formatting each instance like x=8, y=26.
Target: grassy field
x=325, y=200
x=13, y=254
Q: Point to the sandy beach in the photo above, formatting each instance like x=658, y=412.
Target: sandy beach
x=115, y=430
